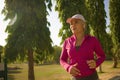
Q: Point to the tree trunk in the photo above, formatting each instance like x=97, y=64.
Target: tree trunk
x=0, y=58
x=115, y=62
x=30, y=66
x=100, y=69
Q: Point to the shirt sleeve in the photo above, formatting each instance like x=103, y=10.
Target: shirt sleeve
x=64, y=57
x=99, y=52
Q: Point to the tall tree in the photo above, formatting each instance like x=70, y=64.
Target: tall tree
x=67, y=8
x=114, y=7
x=28, y=31
x=97, y=21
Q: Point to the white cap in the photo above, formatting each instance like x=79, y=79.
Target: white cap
x=76, y=16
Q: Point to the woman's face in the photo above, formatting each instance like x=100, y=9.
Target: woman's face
x=77, y=26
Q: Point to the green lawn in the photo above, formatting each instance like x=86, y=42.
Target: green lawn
x=43, y=72
x=55, y=72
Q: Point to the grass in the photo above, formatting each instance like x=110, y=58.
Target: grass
x=55, y=72
x=17, y=72
x=51, y=72
x=109, y=72
x=43, y=72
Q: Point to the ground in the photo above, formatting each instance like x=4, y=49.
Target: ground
x=56, y=72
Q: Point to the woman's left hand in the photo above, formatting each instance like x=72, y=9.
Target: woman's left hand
x=91, y=64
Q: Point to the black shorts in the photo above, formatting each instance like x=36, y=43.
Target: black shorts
x=93, y=76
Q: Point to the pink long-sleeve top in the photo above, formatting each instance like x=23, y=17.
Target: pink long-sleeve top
x=86, y=52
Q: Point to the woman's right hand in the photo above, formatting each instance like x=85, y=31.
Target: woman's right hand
x=74, y=71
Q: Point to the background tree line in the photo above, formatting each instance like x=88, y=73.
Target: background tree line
x=29, y=36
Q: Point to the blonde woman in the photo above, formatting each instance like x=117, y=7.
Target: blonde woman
x=80, y=49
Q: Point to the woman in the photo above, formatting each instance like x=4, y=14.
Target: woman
x=80, y=49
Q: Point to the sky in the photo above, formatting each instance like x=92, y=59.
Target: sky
x=3, y=25
x=55, y=25
x=52, y=18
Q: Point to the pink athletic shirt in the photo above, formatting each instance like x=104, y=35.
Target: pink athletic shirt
x=86, y=52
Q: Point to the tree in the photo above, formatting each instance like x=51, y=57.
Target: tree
x=47, y=58
x=57, y=52
x=1, y=51
x=114, y=7
x=28, y=30
x=67, y=8
x=43, y=57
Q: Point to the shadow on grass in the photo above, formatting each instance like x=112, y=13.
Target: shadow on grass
x=101, y=72
x=13, y=70
x=115, y=78
x=44, y=64
x=11, y=77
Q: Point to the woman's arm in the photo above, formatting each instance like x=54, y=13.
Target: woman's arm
x=99, y=52
x=64, y=57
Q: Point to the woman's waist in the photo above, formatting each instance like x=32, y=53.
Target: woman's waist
x=84, y=68
x=87, y=74
x=81, y=64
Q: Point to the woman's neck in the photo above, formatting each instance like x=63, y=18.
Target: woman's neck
x=80, y=36
x=79, y=39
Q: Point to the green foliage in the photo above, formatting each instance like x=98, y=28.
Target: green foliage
x=114, y=21
x=30, y=30
x=114, y=7
x=66, y=9
x=57, y=52
x=43, y=57
x=48, y=58
x=96, y=16
x=97, y=23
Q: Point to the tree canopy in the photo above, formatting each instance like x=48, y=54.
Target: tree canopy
x=29, y=33
x=30, y=30
x=66, y=9
x=115, y=28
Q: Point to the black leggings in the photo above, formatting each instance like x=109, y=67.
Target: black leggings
x=94, y=76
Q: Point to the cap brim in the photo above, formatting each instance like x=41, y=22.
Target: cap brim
x=70, y=19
